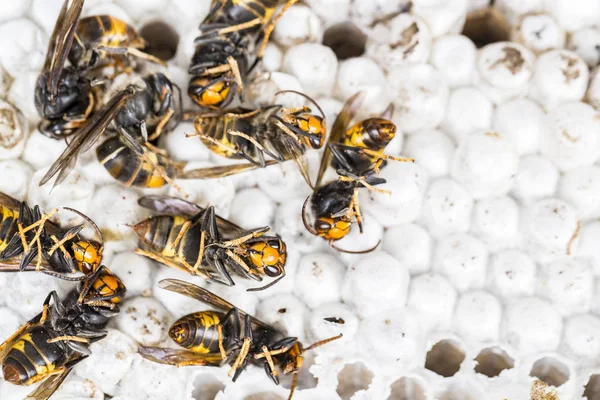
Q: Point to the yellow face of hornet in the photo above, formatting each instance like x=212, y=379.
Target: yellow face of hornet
x=332, y=228
x=268, y=257
x=88, y=255
x=107, y=286
x=313, y=128
x=209, y=94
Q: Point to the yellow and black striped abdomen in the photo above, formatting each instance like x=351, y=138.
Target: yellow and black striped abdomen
x=198, y=332
x=8, y=225
x=127, y=167
x=31, y=357
x=101, y=31
x=373, y=134
x=218, y=128
x=159, y=233
x=154, y=232
x=104, y=30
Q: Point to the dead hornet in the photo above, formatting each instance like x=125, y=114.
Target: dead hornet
x=275, y=131
x=139, y=113
x=224, y=54
x=228, y=336
x=27, y=234
x=357, y=155
x=193, y=239
x=67, y=96
x=49, y=345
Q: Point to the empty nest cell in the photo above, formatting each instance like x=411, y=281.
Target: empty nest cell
x=162, y=39
x=352, y=378
x=445, y=358
x=486, y=26
x=346, y=40
x=551, y=371
x=206, y=387
x=492, y=361
x=263, y=396
x=592, y=388
x=461, y=392
x=407, y=389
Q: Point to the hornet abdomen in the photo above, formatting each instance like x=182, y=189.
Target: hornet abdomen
x=199, y=332
x=159, y=234
x=31, y=357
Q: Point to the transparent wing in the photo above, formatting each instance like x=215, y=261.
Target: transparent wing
x=9, y=202
x=49, y=386
x=221, y=171
x=337, y=131
x=12, y=265
x=86, y=137
x=296, y=152
x=169, y=205
x=175, y=206
x=178, y=356
x=61, y=41
x=388, y=113
x=204, y=296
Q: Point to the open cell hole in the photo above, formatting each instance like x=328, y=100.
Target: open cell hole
x=162, y=39
x=352, y=378
x=551, y=371
x=592, y=388
x=206, y=387
x=486, y=26
x=492, y=361
x=346, y=40
x=461, y=392
x=263, y=396
x=445, y=358
x=407, y=389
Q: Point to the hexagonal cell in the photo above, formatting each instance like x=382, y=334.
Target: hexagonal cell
x=162, y=39
x=263, y=396
x=551, y=371
x=492, y=361
x=346, y=40
x=206, y=387
x=460, y=393
x=486, y=26
x=445, y=358
x=407, y=389
x=352, y=378
x=592, y=388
